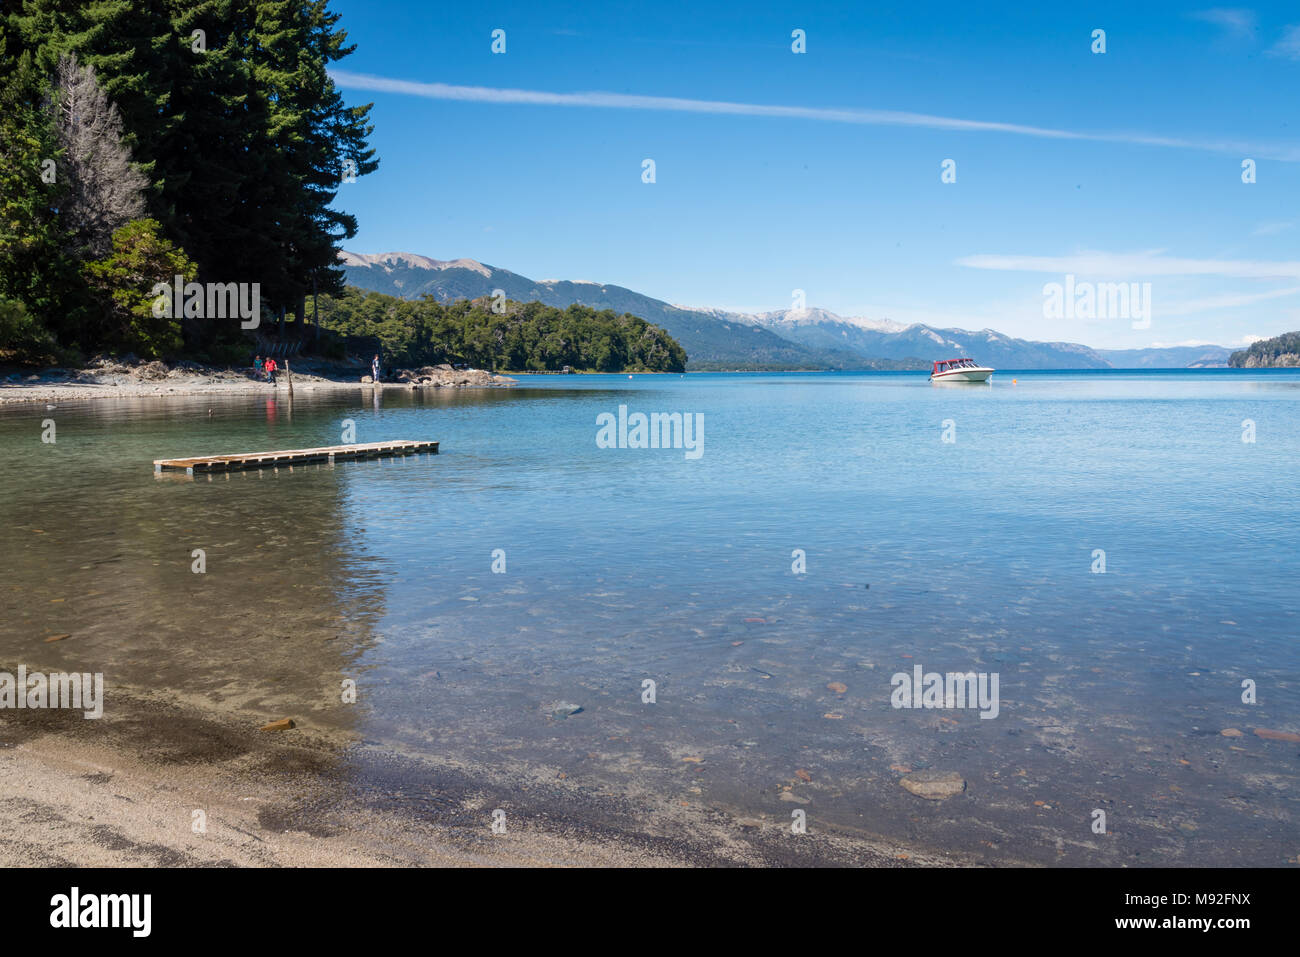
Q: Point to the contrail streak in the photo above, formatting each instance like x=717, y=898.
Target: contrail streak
x=627, y=101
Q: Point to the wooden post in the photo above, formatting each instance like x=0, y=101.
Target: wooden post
x=288, y=375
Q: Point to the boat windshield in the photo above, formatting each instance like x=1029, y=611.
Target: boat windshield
x=952, y=365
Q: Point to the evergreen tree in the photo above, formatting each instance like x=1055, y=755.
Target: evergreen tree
x=317, y=139
x=130, y=317
x=102, y=190
x=34, y=268
x=227, y=108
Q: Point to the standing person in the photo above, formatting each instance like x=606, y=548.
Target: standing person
x=374, y=369
x=257, y=367
x=270, y=370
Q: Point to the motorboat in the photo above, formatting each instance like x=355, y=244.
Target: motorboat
x=959, y=370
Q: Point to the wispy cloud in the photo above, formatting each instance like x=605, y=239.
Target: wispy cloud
x=1236, y=21
x=1271, y=229
x=628, y=101
x=1130, y=265
x=1289, y=45
x=1231, y=301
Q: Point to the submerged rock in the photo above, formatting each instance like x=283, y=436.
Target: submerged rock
x=934, y=785
x=284, y=724
x=1269, y=735
x=561, y=709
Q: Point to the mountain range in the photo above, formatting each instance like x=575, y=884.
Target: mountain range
x=787, y=339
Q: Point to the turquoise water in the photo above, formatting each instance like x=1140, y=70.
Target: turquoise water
x=622, y=565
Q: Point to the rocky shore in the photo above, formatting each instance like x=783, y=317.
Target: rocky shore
x=1287, y=360
x=105, y=377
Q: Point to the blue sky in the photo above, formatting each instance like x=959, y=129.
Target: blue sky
x=1117, y=166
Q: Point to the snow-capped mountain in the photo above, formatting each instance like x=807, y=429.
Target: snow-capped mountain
x=805, y=338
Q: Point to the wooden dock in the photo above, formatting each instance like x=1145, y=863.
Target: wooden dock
x=328, y=453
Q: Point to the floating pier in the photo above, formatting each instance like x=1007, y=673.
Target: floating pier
x=254, y=460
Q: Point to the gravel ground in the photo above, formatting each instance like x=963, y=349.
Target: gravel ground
x=104, y=378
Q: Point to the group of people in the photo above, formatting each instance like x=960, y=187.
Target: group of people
x=265, y=368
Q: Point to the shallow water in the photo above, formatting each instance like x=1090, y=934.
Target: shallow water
x=623, y=565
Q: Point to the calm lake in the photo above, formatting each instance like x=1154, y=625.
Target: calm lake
x=1106, y=544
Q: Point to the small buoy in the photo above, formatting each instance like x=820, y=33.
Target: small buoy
x=629, y=377
x=1013, y=381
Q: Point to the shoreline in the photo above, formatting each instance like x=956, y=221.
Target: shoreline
x=124, y=791
x=108, y=379
x=185, y=379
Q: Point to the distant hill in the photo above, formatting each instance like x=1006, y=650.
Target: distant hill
x=816, y=328
x=707, y=339
x=787, y=339
x=1280, y=352
x=1170, y=357
x=519, y=337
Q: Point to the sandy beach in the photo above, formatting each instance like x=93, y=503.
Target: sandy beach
x=165, y=784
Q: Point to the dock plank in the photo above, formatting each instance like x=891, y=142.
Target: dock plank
x=330, y=453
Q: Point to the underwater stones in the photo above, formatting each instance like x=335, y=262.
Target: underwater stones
x=934, y=785
x=561, y=709
x=1269, y=735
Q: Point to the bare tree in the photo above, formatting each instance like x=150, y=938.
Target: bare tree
x=103, y=189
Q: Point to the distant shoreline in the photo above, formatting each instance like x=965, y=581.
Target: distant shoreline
x=55, y=384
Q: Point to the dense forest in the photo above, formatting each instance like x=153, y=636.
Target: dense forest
x=1283, y=350
x=519, y=337
x=141, y=140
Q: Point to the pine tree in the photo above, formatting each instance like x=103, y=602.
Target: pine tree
x=317, y=140
x=102, y=189
x=140, y=259
x=33, y=266
x=131, y=46
x=242, y=134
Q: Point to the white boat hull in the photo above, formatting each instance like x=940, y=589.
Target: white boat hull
x=963, y=375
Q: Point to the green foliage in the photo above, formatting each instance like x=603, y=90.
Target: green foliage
x=528, y=337
x=1268, y=352
x=230, y=354
x=125, y=280
x=244, y=143
x=32, y=266
x=22, y=337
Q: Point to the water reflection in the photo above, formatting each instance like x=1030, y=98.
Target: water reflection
x=622, y=566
